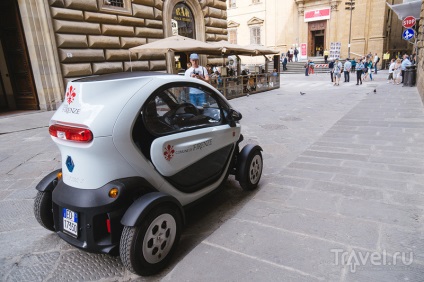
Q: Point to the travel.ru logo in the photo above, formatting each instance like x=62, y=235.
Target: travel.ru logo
x=354, y=259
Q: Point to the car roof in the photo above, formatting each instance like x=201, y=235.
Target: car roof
x=121, y=75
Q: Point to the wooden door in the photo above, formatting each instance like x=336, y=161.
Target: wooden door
x=16, y=54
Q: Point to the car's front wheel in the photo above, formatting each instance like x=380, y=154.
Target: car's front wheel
x=43, y=210
x=249, y=167
x=147, y=249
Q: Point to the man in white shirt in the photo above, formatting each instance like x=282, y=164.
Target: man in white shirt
x=197, y=97
x=391, y=70
x=376, y=60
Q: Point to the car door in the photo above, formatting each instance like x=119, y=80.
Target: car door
x=192, y=145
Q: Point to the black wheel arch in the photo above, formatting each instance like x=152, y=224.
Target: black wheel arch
x=49, y=181
x=143, y=205
x=243, y=156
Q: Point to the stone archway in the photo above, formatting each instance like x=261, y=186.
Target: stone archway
x=199, y=21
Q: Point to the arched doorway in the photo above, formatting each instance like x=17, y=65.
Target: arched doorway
x=195, y=30
x=182, y=24
x=316, y=38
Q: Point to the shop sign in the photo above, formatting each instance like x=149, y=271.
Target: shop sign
x=317, y=15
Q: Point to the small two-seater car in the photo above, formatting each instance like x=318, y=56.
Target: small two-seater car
x=135, y=152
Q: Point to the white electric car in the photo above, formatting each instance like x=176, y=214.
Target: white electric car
x=135, y=152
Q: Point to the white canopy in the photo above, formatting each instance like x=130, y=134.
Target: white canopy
x=408, y=8
x=176, y=43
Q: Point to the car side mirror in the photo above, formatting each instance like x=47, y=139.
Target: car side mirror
x=234, y=116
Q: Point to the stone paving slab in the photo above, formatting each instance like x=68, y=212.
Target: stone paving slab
x=367, y=208
x=342, y=172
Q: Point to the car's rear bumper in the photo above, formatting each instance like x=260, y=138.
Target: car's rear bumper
x=99, y=216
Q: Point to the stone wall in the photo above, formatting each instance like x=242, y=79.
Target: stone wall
x=420, y=66
x=92, y=40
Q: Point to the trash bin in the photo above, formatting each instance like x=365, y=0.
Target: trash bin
x=410, y=76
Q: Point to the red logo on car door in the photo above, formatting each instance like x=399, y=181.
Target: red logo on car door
x=168, y=152
x=70, y=95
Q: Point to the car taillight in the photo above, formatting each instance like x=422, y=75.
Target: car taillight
x=71, y=133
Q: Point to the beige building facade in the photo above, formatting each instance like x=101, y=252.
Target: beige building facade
x=313, y=25
x=46, y=43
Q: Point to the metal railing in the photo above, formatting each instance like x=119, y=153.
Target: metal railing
x=238, y=86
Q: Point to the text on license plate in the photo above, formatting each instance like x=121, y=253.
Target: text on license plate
x=70, y=222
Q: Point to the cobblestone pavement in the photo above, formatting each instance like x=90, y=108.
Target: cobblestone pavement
x=341, y=198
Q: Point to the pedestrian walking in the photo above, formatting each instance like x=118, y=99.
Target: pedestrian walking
x=405, y=63
x=331, y=68
x=337, y=72
x=397, y=72
x=284, y=61
x=296, y=52
x=326, y=53
x=391, y=70
x=311, y=67
x=353, y=62
x=291, y=53
x=346, y=70
x=359, y=67
x=370, y=68
x=307, y=68
x=376, y=60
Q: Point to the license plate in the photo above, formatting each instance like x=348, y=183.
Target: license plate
x=70, y=222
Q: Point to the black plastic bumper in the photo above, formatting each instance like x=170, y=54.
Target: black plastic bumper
x=99, y=216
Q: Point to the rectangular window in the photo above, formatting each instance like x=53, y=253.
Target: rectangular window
x=232, y=3
x=115, y=6
x=255, y=35
x=115, y=3
x=232, y=36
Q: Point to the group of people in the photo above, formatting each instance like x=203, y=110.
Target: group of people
x=397, y=69
x=288, y=57
x=362, y=66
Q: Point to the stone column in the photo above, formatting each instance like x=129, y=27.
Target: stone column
x=42, y=52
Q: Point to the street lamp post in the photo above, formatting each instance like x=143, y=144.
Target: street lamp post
x=350, y=5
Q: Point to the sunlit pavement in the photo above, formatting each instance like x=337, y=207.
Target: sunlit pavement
x=341, y=197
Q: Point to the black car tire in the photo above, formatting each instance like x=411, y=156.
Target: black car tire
x=250, y=169
x=147, y=249
x=43, y=210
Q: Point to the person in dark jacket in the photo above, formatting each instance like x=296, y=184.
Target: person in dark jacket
x=331, y=67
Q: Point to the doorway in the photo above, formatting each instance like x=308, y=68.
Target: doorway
x=318, y=43
x=316, y=38
x=16, y=76
x=181, y=63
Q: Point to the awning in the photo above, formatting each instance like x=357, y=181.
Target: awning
x=408, y=8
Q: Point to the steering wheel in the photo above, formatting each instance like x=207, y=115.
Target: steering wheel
x=181, y=111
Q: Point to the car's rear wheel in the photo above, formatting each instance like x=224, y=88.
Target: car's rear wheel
x=250, y=168
x=147, y=249
x=43, y=210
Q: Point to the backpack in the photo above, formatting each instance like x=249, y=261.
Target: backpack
x=378, y=59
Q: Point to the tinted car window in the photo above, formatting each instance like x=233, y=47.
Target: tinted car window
x=172, y=109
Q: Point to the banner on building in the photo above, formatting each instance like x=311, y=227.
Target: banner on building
x=335, y=50
x=303, y=51
x=317, y=15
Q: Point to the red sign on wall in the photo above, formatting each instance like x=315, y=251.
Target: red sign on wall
x=316, y=15
x=303, y=49
x=408, y=22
